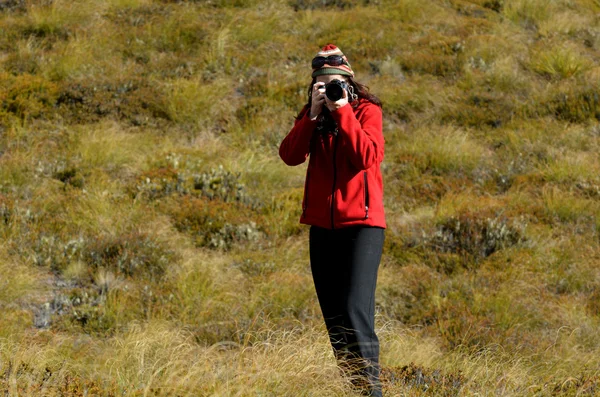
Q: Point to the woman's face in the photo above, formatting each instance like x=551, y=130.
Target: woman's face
x=326, y=78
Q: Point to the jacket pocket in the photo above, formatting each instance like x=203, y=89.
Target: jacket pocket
x=366, y=187
x=305, y=198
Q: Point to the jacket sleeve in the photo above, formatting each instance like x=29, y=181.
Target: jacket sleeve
x=295, y=147
x=362, y=139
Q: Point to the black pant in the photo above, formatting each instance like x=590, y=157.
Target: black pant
x=344, y=264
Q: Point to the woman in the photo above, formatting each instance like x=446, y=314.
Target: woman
x=343, y=203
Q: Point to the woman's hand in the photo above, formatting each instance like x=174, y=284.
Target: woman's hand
x=318, y=99
x=337, y=104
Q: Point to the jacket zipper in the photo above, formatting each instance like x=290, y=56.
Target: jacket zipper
x=366, y=195
x=334, y=179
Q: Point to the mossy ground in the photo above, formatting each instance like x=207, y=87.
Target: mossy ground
x=149, y=236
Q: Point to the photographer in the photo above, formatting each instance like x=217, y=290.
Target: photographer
x=340, y=129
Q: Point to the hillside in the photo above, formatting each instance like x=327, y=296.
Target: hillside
x=149, y=235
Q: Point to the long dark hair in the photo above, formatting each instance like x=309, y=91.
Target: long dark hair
x=359, y=89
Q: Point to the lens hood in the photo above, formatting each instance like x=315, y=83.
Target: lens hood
x=334, y=90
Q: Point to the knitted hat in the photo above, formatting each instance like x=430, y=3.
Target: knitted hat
x=344, y=69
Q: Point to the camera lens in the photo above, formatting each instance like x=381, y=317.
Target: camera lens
x=334, y=90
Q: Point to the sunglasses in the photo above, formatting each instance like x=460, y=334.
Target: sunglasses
x=331, y=60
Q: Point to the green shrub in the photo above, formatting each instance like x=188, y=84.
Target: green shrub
x=495, y=5
x=71, y=176
x=54, y=253
x=478, y=236
x=133, y=254
x=170, y=177
x=474, y=235
x=78, y=305
x=98, y=311
x=220, y=184
x=158, y=183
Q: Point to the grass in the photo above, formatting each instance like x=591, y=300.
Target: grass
x=149, y=233
x=559, y=63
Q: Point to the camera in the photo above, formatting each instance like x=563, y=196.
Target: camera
x=334, y=90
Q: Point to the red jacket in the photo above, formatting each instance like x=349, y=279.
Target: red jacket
x=343, y=184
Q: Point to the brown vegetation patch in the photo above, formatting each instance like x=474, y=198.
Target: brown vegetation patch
x=480, y=109
x=436, y=54
x=130, y=254
x=410, y=300
x=580, y=385
x=6, y=209
x=133, y=101
x=214, y=223
x=298, y=5
x=426, y=190
x=137, y=16
x=50, y=382
x=26, y=96
x=575, y=103
x=71, y=177
x=12, y=5
x=426, y=380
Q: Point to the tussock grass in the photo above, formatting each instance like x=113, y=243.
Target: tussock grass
x=566, y=207
x=559, y=63
x=83, y=57
x=572, y=167
x=160, y=358
x=25, y=56
x=568, y=22
x=445, y=150
x=206, y=105
x=528, y=13
x=18, y=280
x=109, y=147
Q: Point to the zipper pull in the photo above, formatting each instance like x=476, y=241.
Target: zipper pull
x=367, y=213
